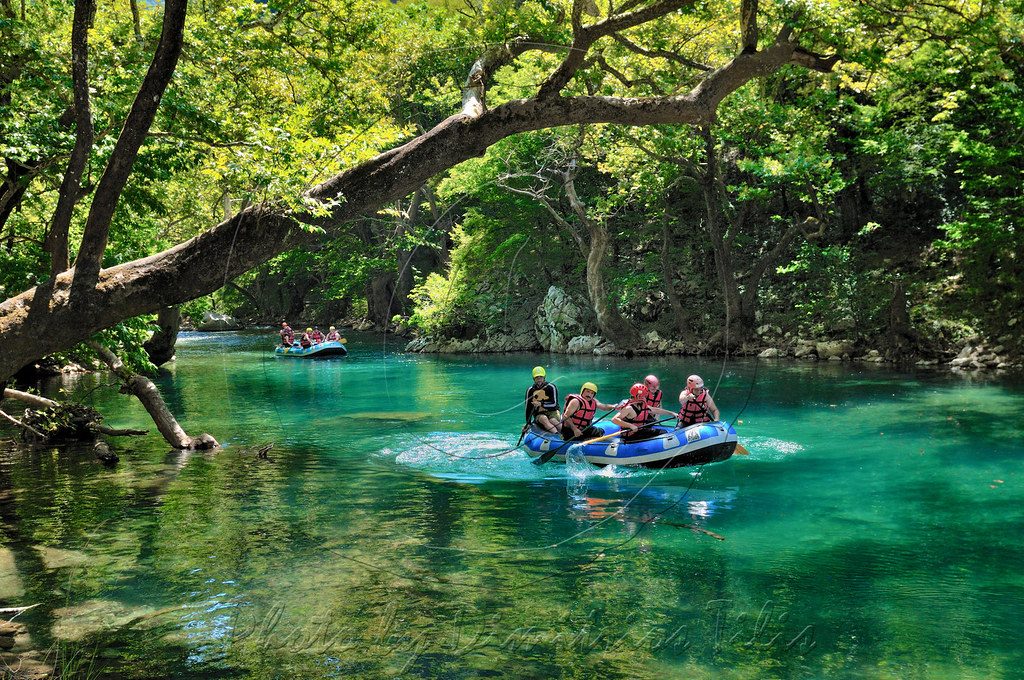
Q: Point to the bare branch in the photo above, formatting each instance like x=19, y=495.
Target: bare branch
x=136, y=24
x=200, y=140
x=147, y=393
x=115, y=432
x=585, y=36
x=27, y=428
x=32, y=399
x=474, y=92
x=659, y=53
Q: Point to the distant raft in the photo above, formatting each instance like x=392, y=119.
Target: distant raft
x=694, y=445
x=320, y=351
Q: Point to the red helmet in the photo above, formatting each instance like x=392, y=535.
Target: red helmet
x=638, y=391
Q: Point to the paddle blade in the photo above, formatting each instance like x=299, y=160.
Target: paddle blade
x=546, y=456
x=742, y=450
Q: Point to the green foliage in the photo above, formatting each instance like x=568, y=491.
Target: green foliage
x=908, y=153
x=832, y=295
x=64, y=422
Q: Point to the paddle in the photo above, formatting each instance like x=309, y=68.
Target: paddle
x=529, y=415
x=548, y=455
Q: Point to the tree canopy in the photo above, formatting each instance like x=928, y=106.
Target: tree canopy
x=813, y=152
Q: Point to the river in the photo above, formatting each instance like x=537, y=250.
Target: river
x=875, y=530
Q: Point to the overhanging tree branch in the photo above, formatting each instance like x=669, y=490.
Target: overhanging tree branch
x=45, y=319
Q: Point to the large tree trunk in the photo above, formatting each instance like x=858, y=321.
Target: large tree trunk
x=160, y=347
x=668, y=270
x=381, y=299
x=45, y=319
x=736, y=323
x=609, y=321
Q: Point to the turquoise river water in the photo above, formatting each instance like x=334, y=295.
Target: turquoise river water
x=876, y=529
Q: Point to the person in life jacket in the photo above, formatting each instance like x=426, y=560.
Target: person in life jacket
x=287, y=335
x=332, y=335
x=318, y=335
x=696, y=403
x=306, y=341
x=579, y=411
x=654, y=395
x=542, y=403
x=633, y=417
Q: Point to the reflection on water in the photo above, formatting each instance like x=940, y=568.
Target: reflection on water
x=875, y=529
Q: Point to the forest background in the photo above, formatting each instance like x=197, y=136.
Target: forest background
x=874, y=198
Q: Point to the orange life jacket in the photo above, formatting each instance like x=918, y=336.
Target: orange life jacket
x=584, y=415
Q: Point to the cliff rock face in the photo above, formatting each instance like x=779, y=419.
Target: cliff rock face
x=559, y=319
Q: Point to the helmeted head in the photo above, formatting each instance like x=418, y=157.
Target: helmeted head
x=588, y=386
x=652, y=382
x=333, y=328
x=638, y=392
x=694, y=382
x=284, y=324
x=539, y=372
x=309, y=330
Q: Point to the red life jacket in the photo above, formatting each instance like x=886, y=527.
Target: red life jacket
x=584, y=415
x=695, y=411
x=654, y=398
x=305, y=341
x=640, y=419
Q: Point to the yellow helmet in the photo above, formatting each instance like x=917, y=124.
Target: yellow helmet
x=333, y=328
x=309, y=330
x=589, y=386
x=539, y=370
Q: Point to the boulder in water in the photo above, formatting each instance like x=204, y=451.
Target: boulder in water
x=215, y=321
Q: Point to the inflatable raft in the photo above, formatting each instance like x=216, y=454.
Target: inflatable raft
x=324, y=349
x=694, y=445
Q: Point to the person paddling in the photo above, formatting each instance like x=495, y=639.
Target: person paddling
x=306, y=341
x=332, y=335
x=542, y=403
x=633, y=417
x=579, y=411
x=696, y=403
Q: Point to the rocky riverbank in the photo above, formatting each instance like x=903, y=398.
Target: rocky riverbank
x=561, y=323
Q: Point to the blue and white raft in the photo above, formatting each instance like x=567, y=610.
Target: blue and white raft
x=693, y=445
x=320, y=351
